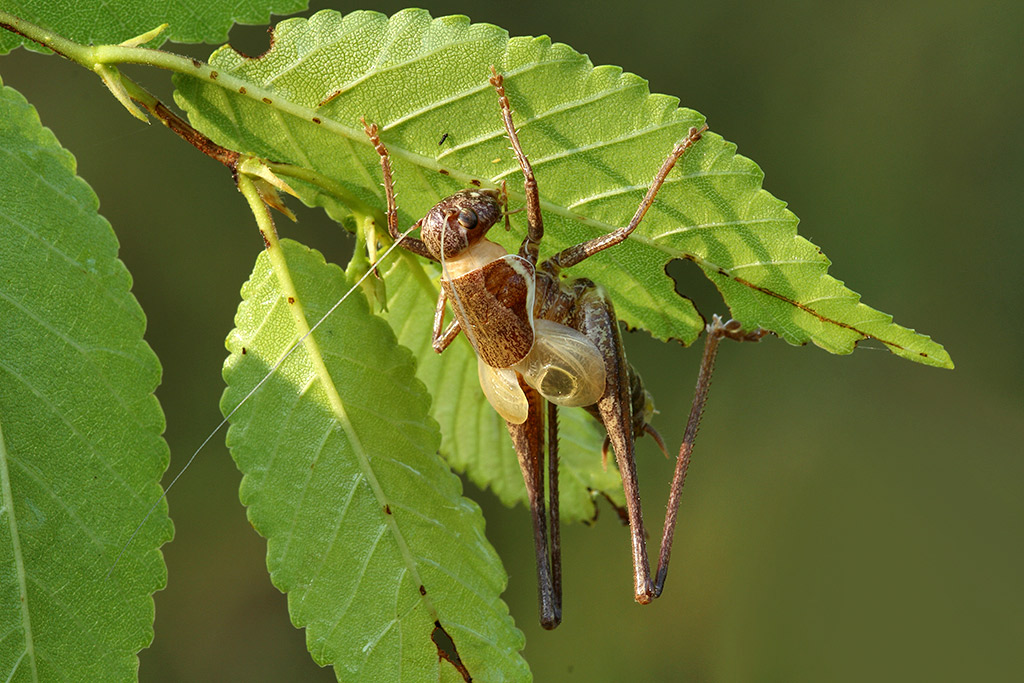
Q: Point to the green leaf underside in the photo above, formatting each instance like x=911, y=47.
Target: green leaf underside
x=112, y=22
x=595, y=137
x=474, y=437
x=80, y=448
x=358, y=510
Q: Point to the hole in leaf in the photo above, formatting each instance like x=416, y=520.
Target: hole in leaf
x=691, y=283
x=446, y=650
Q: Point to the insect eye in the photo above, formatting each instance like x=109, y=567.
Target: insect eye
x=467, y=219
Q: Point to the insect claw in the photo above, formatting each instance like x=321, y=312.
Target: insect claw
x=496, y=78
x=657, y=438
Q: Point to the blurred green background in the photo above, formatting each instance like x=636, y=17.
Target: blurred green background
x=846, y=518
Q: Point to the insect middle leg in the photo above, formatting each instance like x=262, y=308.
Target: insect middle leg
x=573, y=255
x=528, y=439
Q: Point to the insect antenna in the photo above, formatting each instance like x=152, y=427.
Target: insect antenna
x=372, y=269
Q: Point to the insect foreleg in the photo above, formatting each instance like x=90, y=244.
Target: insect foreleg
x=410, y=243
x=531, y=243
x=440, y=339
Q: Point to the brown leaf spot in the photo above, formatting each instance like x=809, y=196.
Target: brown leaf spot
x=316, y=119
x=328, y=98
x=242, y=90
x=387, y=509
x=267, y=100
x=291, y=299
x=423, y=591
x=213, y=75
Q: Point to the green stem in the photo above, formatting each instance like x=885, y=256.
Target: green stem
x=265, y=222
x=94, y=57
x=100, y=59
x=332, y=187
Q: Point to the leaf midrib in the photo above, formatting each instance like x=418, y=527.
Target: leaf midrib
x=19, y=563
x=337, y=405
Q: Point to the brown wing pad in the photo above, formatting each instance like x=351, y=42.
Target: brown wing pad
x=494, y=306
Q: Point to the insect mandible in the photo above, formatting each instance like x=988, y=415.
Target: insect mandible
x=541, y=339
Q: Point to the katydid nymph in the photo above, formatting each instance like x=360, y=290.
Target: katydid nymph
x=544, y=340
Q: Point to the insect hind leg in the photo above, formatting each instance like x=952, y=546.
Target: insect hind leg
x=592, y=313
x=716, y=331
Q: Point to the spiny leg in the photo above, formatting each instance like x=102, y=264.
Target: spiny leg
x=410, y=243
x=528, y=439
x=531, y=244
x=556, y=530
x=592, y=314
x=716, y=331
x=573, y=255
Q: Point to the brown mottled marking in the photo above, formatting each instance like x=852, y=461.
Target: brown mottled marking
x=495, y=303
x=197, y=64
x=267, y=100
x=316, y=119
x=443, y=171
x=213, y=75
x=291, y=299
x=242, y=90
x=475, y=182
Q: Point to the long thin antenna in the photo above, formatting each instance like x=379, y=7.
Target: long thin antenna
x=259, y=384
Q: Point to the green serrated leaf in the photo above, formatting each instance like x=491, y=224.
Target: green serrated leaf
x=595, y=136
x=367, y=530
x=80, y=448
x=94, y=22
